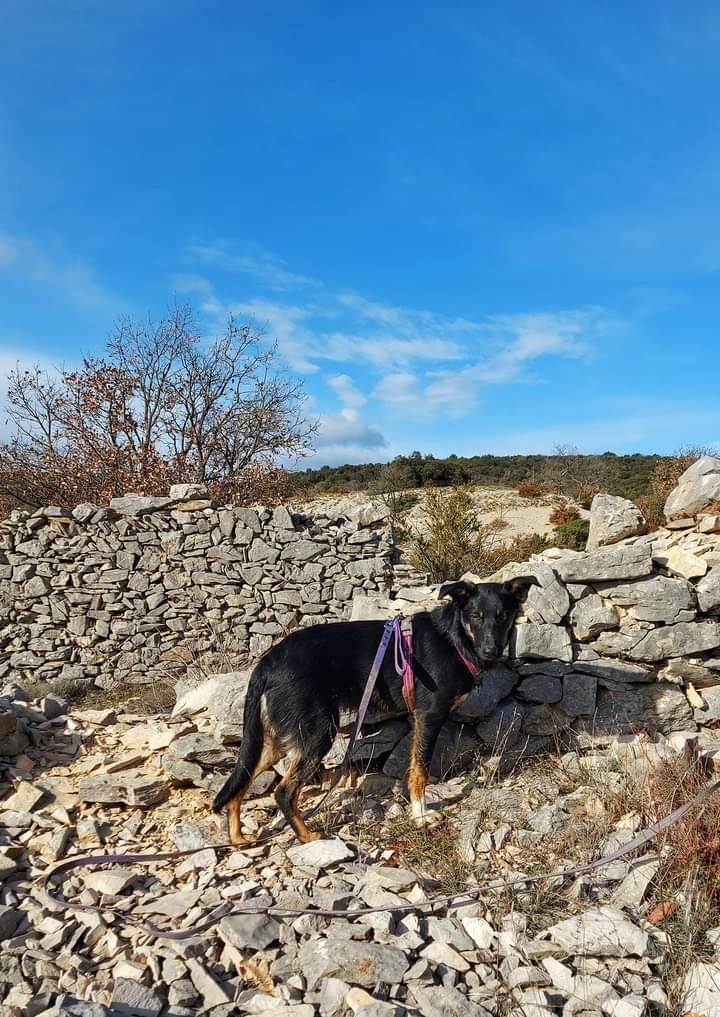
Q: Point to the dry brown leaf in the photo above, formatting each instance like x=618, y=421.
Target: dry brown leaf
x=662, y=911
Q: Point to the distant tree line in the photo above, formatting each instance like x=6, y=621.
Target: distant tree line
x=566, y=470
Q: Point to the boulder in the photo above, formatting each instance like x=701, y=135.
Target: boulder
x=187, y=492
x=222, y=696
x=613, y=519
x=697, y=488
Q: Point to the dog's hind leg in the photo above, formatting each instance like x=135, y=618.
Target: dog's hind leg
x=425, y=732
x=271, y=753
x=299, y=772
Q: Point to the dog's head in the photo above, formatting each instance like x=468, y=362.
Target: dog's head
x=487, y=611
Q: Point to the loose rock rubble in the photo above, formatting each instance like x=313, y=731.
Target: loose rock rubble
x=595, y=952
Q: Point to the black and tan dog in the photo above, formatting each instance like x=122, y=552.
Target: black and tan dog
x=297, y=689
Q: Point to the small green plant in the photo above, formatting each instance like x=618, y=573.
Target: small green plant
x=573, y=534
x=454, y=540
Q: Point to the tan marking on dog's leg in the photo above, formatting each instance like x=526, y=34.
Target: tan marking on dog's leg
x=292, y=783
x=271, y=753
x=303, y=831
x=417, y=778
x=235, y=834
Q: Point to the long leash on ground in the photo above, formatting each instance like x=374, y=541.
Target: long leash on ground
x=444, y=900
x=403, y=663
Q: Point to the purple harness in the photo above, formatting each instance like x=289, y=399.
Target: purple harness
x=401, y=628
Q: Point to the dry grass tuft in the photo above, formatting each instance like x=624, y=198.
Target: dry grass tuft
x=433, y=850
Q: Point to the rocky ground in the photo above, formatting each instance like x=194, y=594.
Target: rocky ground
x=613, y=942
x=634, y=621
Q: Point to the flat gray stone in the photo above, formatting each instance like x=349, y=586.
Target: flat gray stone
x=681, y=640
x=591, y=616
x=250, y=932
x=132, y=998
x=320, y=854
x=137, y=505
x=531, y=641
x=600, y=932
x=621, y=561
x=579, y=694
x=446, y=1001
x=358, y=963
x=540, y=688
x=708, y=591
x=657, y=599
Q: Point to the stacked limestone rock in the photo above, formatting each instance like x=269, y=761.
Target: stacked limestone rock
x=138, y=589
x=620, y=638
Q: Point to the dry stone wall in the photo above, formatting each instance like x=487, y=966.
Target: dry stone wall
x=142, y=588
x=613, y=642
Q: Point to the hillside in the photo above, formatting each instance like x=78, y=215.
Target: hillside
x=625, y=475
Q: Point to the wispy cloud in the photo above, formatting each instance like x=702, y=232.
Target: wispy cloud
x=414, y=357
x=52, y=268
x=266, y=267
x=512, y=344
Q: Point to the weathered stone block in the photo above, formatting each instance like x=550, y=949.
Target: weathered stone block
x=613, y=519
x=541, y=641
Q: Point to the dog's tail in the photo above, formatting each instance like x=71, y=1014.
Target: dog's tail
x=252, y=742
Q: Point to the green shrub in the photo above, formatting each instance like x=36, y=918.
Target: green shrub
x=573, y=534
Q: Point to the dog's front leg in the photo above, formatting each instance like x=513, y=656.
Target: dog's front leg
x=426, y=729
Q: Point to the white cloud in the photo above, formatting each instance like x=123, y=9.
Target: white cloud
x=415, y=357
x=345, y=437
x=346, y=390
x=514, y=343
x=184, y=283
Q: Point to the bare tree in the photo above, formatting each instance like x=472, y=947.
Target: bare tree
x=163, y=405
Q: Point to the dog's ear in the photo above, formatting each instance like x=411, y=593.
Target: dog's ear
x=459, y=592
x=520, y=585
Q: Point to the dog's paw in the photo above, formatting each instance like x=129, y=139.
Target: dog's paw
x=424, y=819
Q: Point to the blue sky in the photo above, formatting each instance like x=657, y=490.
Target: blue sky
x=472, y=227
